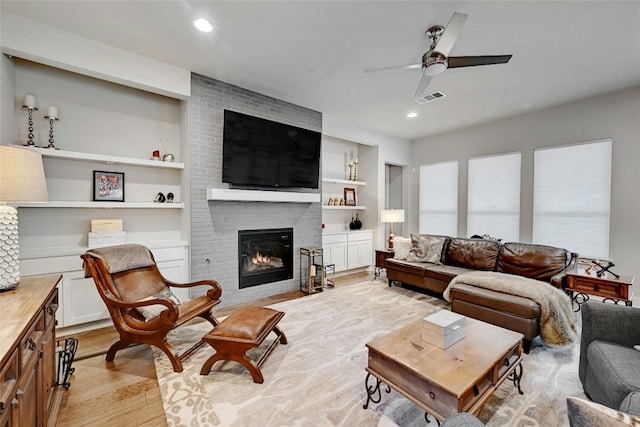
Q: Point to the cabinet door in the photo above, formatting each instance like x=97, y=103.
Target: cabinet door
x=365, y=253
x=27, y=403
x=82, y=302
x=336, y=253
x=176, y=271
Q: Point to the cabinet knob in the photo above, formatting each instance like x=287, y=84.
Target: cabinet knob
x=3, y=407
x=52, y=309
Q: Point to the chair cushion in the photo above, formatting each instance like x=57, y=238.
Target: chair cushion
x=534, y=261
x=500, y=301
x=583, y=413
x=475, y=254
x=151, y=311
x=613, y=372
x=123, y=257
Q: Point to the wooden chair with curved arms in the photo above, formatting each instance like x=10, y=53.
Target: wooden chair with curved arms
x=130, y=284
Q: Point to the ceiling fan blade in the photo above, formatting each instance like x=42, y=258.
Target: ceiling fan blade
x=393, y=67
x=422, y=87
x=472, y=61
x=451, y=33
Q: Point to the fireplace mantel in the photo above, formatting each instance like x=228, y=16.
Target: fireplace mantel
x=230, y=194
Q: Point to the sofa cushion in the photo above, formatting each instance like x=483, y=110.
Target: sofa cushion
x=417, y=268
x=426, y=248
x=631, y=404
x=513, y=304
x=622, y=367
x=444, y=272
x=475, y=254
x=534, y=261
x=401, y=247
x=583, y=413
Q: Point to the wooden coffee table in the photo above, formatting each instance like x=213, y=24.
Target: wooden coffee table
x=444, y=382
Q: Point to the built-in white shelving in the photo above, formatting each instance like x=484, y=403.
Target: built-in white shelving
x=102, y=158
x=343, y=181
x=100, y=205
x=344, y=208
x=229, y=194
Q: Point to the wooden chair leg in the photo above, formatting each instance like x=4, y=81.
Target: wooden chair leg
x=115, y=347
x=240, y=358
x=168, y=350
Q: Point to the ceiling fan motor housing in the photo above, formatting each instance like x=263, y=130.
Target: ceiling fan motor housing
x=434, y=63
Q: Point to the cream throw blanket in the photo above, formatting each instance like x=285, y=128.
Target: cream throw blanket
x=558, y=323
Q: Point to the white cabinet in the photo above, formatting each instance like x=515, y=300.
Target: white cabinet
x=334, y=248
x=348, y=250
x=359, y=249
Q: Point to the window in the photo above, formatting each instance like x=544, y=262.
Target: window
x=572, y=193
x=493, y=198
x=439, y=199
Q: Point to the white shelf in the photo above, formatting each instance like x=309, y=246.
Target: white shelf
x=101, y=158
x=100, y=205
x=343, y=181
x=344, y=208
x=228, y=194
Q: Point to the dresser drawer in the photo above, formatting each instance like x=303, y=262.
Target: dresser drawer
x=8, y=382
x=31, y=342
x=600, y=288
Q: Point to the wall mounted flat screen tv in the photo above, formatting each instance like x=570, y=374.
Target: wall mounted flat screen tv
x=261, y=153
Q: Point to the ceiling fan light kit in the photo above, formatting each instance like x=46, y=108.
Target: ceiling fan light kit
x=436, y=60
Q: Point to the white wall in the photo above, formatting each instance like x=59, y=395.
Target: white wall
x=615, y=116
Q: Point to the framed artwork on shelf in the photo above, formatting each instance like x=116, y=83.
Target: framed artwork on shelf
x=350, y=196
x=108, y=186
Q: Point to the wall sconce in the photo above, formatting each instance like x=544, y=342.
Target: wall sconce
x=391, y=216
x=21, y=180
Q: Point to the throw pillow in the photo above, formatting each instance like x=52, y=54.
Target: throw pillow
x=401, y=247
x=425, y=248
x=151, y=311
x=586, y=413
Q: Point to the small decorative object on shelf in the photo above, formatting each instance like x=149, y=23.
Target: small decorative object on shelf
x=156, y=155
x=170, y=197
x=350, y=196
x=355, y=223
x=52, y=116
x=160, y=198
x=30, y=105
x=167, y=158
x=108, y=186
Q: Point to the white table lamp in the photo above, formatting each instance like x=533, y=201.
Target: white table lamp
x=391, y=216
x=21, y=180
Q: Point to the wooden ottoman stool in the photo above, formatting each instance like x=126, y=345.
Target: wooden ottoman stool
x=243, y=330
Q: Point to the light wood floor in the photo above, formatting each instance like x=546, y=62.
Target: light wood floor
x=125, y=392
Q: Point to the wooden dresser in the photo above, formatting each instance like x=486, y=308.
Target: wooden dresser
x=28, y=351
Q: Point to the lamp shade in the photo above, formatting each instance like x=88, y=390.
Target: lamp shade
x=392, y=215
x=21, y=176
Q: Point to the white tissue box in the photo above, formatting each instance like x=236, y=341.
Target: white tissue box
x=443, y=328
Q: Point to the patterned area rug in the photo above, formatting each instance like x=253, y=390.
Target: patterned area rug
x=318, y=378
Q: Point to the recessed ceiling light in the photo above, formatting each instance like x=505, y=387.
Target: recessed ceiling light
x=203, y=25
x=412, y=115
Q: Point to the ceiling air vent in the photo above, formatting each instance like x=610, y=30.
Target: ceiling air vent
x=430, y=97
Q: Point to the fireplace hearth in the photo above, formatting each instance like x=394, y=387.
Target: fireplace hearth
x=264, y=256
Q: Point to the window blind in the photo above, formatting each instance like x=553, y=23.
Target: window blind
x=572, y=197
x=493, y=197
x=438, y=194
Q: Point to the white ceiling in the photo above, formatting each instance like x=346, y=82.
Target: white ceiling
x=314, y=53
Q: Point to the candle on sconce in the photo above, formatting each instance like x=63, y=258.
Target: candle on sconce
x=52, y=112
x=29, y=101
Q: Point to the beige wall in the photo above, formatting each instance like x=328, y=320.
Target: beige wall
x=615, y=116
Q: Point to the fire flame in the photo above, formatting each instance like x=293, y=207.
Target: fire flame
x=260, y=259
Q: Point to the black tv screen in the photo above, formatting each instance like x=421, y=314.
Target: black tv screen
x=261, y=153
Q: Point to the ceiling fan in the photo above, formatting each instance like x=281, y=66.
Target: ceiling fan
x=437, y=58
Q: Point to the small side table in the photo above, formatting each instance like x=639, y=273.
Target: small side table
x=580, y=285
x=381, y=257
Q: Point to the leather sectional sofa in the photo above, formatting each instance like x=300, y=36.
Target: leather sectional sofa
x=460, y=255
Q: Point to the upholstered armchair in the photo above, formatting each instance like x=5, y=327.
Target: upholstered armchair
x=140, y=301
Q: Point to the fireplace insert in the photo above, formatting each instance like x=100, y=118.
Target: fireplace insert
x=264, y=256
